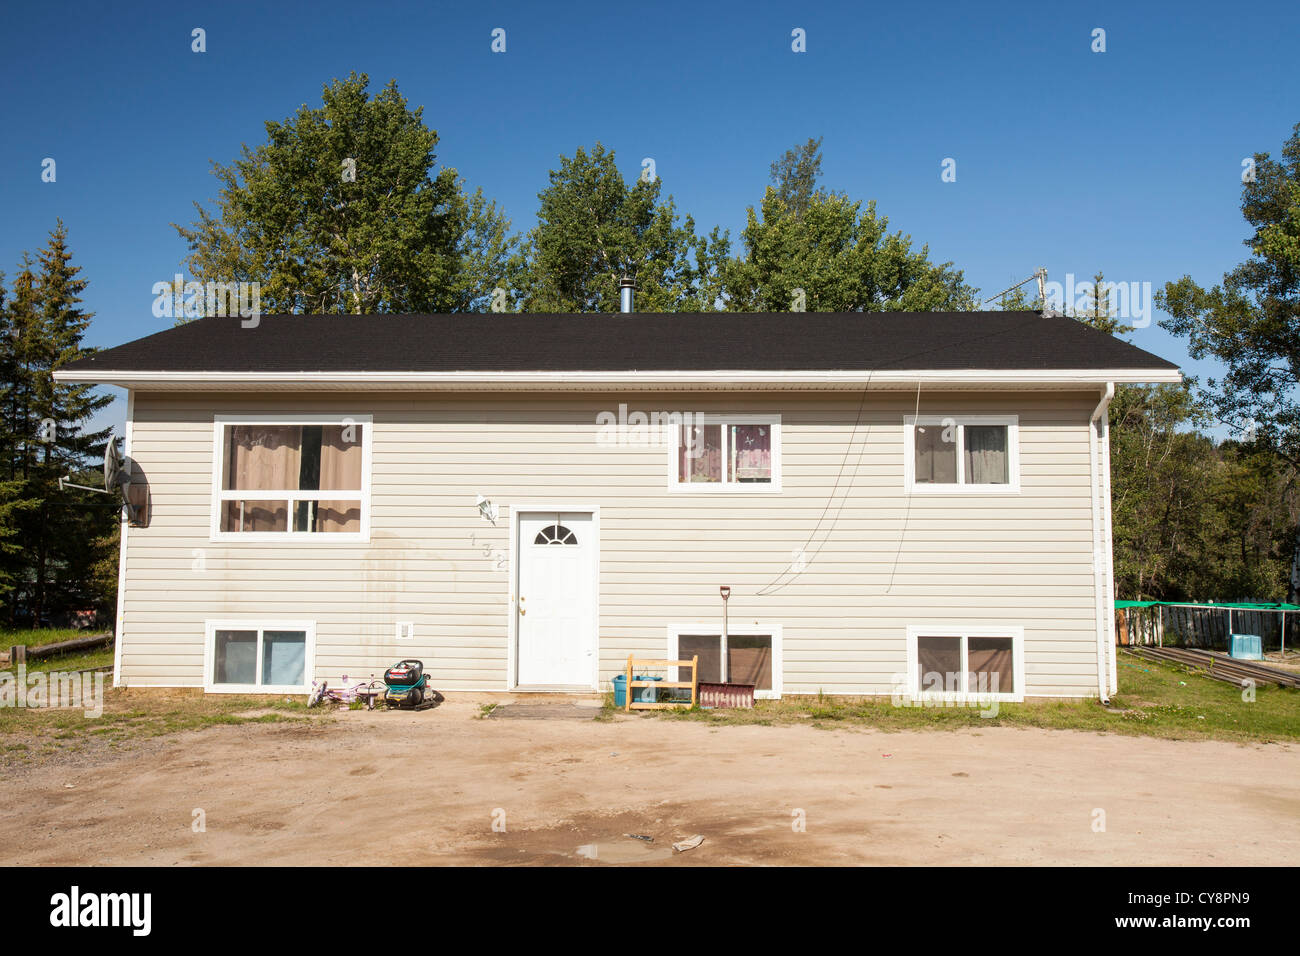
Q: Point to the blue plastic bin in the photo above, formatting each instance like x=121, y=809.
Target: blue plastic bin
x=1246, y=647
x=645, y=695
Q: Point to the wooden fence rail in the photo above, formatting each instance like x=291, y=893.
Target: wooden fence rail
x=19, y=653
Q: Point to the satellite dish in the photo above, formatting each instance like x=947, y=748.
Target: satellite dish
x=113, y=476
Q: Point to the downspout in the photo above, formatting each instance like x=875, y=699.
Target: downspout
x=1100, y=485
x=1108, y=549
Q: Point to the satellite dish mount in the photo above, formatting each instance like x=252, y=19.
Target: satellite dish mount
x=117, y=478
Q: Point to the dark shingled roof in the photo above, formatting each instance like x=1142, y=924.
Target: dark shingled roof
x=511, y=342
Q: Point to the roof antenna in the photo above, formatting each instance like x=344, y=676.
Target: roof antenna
x=1041, y=275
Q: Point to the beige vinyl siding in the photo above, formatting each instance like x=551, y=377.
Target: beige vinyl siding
x=878, y=560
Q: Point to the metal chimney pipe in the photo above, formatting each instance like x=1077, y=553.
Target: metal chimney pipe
x=625, y=288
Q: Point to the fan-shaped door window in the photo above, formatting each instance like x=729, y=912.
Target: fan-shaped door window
x=555, y=534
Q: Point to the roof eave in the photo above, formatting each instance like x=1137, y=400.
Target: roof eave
x=588, y=380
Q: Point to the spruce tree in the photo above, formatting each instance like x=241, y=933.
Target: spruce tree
x=58, y=530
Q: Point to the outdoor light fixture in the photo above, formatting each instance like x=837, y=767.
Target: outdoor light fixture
x=487, y=509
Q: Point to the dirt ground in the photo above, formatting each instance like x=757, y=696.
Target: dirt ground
x=429, y=788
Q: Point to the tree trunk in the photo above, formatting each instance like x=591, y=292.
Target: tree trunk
x=1293, y=588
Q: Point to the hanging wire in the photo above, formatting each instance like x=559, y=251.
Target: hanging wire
x=777, y=583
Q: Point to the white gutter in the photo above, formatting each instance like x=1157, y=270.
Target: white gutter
x=1099, y=486
x=568, y=379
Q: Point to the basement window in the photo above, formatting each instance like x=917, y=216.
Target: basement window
x=947, y=454
x=747, y=657
x=958, y=663
x=265, y=657
x=304, y=479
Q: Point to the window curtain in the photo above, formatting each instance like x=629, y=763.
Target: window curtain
x=340, y=461
x=991, y=669
x=986, y=454
x=749, y=661
x=261, y=458
x=705, y=441
x=340, y=470
x=751, y=452
x=936, y=459
x=938, y=664
x=708, y=647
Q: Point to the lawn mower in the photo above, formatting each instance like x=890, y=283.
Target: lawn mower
x=406, y=686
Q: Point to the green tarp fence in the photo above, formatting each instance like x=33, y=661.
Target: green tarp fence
x=1243, y=606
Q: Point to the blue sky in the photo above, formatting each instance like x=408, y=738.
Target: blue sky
x=1127, y=161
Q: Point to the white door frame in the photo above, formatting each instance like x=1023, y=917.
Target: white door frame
x=529, y=506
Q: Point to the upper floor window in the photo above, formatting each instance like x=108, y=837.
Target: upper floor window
x=968, y=453
x=296, y=478
x=728, y=453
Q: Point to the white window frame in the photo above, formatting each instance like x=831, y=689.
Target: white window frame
x=773, y=421
x=220, y=495
x=261, y=625
x=675, y=631
x=961, y=486
x=964, y=632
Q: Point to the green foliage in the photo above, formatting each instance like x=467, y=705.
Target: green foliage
x=1098, y=314
x=49, y=538
x=795, y=175
x=398, y=236
x=1018, y=301
x=842, y=257
x=1252, y=321
x=1191, y=519
x=593, y=228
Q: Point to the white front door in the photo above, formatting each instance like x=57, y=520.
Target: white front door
x=556, y=609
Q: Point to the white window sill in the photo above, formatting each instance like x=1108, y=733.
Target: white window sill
x=254, y=689
x=956, y=489
x=285, y=537
x=718, y=488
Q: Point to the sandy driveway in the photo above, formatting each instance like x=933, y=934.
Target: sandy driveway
x=426, y=788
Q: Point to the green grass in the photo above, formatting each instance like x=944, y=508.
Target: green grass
x=1155, y=700
x=28, y=735
x=34, y=638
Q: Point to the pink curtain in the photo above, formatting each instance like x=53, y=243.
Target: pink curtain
x=705, y=442
x=751, y=452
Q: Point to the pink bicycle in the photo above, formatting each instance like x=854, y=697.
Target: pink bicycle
x=366, y=690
